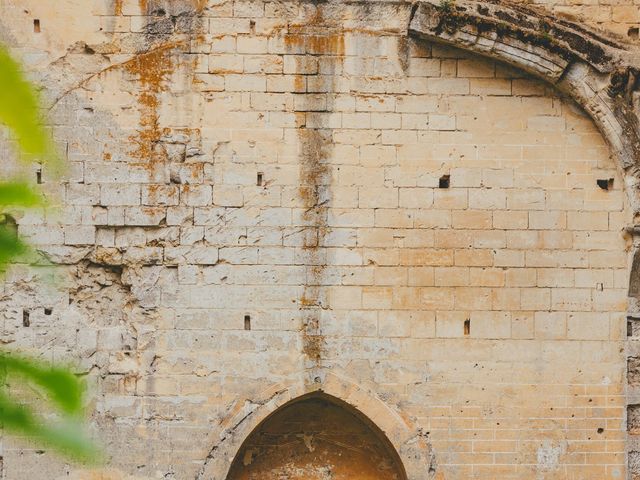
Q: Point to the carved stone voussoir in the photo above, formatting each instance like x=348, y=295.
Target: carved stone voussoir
x=600, y=73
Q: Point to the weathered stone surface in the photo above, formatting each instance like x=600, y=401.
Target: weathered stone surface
x=598, y=72
x=270, y=199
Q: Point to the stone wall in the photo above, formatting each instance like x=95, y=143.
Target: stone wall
x=619, y=17
x=265, y=199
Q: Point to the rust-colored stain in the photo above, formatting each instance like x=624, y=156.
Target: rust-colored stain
x=315, y=439
x=299, y=83
x=152, y=69
x=313, y=343
x=315, y=38
x=153, y=188
x=313, y=44
x=117, y=7
x=199, y=5
x=321, y=44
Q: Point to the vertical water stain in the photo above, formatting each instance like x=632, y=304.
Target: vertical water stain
x=148, y=6
x=152, y=69
x=117, y=7
x=320, y=43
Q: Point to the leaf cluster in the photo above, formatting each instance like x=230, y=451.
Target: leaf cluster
x=20, y=114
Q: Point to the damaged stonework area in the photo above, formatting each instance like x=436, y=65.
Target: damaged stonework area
x=98, y=306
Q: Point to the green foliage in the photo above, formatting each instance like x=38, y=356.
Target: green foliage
x=19, y=111
x=545, y=35
x=18, y=193
x=11, y=246
x=63, y=389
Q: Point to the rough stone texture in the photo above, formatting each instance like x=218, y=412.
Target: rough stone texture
x=633, y=371
x=633, y=418
x=619, y=18
x=597, y=72
x=253, y=211
x=634, y=464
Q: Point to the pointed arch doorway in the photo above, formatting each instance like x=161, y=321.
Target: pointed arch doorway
x=317, y=437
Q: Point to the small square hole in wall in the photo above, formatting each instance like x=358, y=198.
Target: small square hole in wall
x=605, y=183
x=36, y=25
x=633, y=33
x=48, y=311
x=445, y=181
x=259, y=179
x=247, y=322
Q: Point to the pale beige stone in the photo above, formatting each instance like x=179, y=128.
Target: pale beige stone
x=262, y=212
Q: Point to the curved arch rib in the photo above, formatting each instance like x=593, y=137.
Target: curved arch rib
x=408, y=441
x=601, y=74
x=313, y=436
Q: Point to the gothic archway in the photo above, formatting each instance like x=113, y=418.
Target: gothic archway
x=245, y=416
x=317, y=437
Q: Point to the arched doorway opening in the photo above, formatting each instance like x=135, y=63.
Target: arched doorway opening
x=317, y=437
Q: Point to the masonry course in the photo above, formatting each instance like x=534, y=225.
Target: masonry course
x=411, y=228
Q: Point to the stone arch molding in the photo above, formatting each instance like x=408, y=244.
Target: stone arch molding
x=410, y=443
x=601, y=74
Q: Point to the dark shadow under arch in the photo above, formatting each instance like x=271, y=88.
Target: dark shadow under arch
x=317, y=437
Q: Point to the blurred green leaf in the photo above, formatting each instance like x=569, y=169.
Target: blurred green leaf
x=65, y=391
x=62, y=386
x=19, y=109
x=66, y=437
x=11, y=246
x=18, y=193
